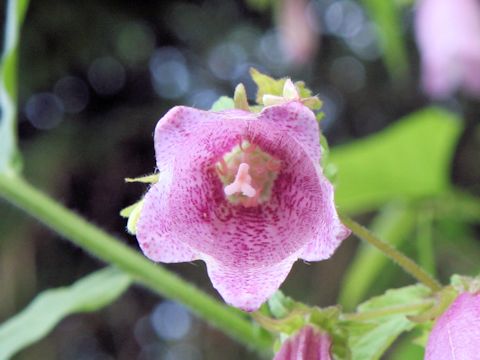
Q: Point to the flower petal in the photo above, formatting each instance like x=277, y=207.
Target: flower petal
x=154, y=233
x=183, y=128
x=456, y=334
x=247, y=289
x=299, y=122
x=237, y=235
x=330, y=232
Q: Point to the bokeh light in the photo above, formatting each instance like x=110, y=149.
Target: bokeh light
x=107, y=76
x=44, y=110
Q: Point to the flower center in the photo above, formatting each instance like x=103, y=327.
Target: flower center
x=248, y=174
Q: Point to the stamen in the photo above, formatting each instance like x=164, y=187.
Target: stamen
x=248, y=174
x=250, y=148
x=242, y=183
x=223, y=169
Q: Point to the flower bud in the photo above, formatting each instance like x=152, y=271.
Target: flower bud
x=308, y=344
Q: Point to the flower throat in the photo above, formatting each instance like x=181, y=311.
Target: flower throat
x=248, y=173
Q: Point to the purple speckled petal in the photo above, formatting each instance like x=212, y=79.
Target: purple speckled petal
x=456, y=334
x=154, y=227
x=308, y=344
x=299, y=122
x=248, y=288
x=330, y=231
x=202, y=217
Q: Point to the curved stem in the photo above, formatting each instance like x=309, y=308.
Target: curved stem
x=405, y=262
x=109, y=249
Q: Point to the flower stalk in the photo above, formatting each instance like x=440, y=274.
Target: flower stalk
x=77, y=230
x=402, y=260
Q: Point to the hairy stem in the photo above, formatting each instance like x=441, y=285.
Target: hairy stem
x=76, y=229
x=402, y=260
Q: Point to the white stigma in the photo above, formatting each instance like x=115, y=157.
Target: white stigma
x=242, y=183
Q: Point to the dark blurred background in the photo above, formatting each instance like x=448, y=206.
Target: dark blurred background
x=95, y=76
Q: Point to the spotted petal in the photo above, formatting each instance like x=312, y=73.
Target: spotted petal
x=299, y=122
x=154, y=232
x=248, y=288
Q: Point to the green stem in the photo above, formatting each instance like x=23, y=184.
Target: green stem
x=402, y=260
x=425, y=246
x=107, y=248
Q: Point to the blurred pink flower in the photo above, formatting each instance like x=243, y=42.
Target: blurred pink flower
x=299, y=35
x=308, y=344
x=243, y=192
x=448, y=33
x=456, y=334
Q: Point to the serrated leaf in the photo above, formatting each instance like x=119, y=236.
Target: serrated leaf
x=223, y=103
x=86, y=295
x=9, y=157
x=384, y=319
x=371, y=344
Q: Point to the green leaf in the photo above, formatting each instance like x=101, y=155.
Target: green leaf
x=395, y=297
x=9, y=157
x=50, y=307
x=387, y=17
x=409, y=160
x=223, y=103
x=384, y=319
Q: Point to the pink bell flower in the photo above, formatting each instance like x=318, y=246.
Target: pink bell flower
x=308, y=344
x=243, y=192
x=456, y=334
x=448, y=33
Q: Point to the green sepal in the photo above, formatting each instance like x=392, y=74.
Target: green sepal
x=330, y=170
x=268, y=85
x=223, y=103
x=240, y=98
x=147, y=179
x=132, y=212
x=465, y=283
x=280, y=305
x=328, y=320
